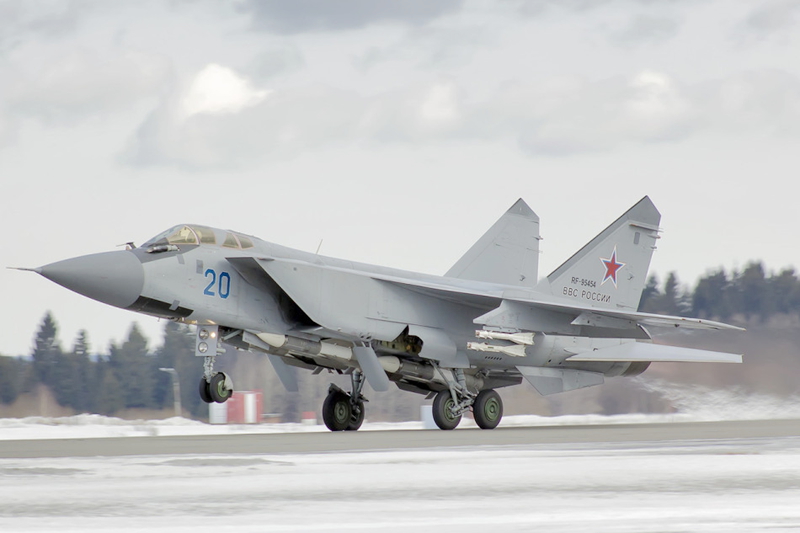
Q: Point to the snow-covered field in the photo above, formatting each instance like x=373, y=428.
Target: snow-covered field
x=96, y=426
x=736, y=485
x=692, y=486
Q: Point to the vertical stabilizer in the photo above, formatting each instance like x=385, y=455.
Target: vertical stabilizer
x=508, y=253
x=611, y=270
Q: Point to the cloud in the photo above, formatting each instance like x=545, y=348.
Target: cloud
x=537, y=8
x=431, y=47
x=765, y=100
x=646, y=29
x=218, y=90
x=20, y=21
x=564, y=116
x=774, y=16
x=8, y=127
x=440, y=105
x=79, y=84
x=297, y=16
x=267, y=122
x=276, y=61
x=287, y=122
x=553, y=117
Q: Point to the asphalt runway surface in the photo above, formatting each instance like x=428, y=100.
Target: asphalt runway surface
x=322, y=442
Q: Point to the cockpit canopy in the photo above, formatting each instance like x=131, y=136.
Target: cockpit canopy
x=194, y=234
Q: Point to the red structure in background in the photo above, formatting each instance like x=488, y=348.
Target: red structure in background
x=244, y=407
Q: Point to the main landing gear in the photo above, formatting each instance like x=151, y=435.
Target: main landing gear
x=342, y=411
x=487, y=409
x=450, y=404
x=214, y=386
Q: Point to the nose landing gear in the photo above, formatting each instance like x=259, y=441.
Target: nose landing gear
x=214, y=386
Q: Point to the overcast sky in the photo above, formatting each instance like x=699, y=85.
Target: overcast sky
x=396, y=132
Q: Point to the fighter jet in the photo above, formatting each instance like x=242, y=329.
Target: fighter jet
x=489, y=322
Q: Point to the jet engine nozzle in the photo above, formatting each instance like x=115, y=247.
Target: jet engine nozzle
x=114, y=278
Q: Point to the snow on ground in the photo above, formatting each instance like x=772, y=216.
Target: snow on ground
x=689, y=486
x=96, y=426
x=731, y=486
x=694, y=404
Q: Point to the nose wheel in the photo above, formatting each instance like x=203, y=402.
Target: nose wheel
x=205, y=391
x=219, y=390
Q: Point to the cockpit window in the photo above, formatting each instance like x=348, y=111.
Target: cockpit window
x=206, y=234
x=245, y=241
x=183, y=235
x=193, y=234
x=230, y=241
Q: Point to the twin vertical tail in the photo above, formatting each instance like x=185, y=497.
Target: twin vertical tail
x=507, y=254
x=611, y=270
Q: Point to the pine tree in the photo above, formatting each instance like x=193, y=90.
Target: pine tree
x=81, y=377
x=177, y=352
x=11, y=372
x=108, y=397
x=711, y=297
x=650, y=295
x=756, y=300
x=785, y=290
x=134, y=370
x=46, y=353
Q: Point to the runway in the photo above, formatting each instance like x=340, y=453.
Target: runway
x=701, y=477
x=322, y=442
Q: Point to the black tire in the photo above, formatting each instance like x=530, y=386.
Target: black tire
x=217, y=388
x=487, y=409
x=336, y=411
x=205, y=391
x=441, y=410
x=356, y=417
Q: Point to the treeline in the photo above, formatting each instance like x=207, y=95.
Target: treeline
x=127, y=376
x=750, y=294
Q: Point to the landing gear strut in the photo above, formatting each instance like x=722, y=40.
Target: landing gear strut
x=214, y=386
x=342, y=411
x=444, y=410
x=451, y=403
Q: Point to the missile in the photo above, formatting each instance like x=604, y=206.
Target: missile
x=512, y=351
x=519, y=338
x=307, y=347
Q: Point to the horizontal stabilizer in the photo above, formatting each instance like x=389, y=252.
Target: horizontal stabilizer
x=610, y=318
x=683, y=322
x=654, y=353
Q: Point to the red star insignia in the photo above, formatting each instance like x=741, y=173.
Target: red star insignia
x=612, y=267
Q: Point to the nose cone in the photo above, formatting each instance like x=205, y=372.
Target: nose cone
x=114, y=278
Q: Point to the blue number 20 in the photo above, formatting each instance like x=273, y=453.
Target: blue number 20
x=224, y=287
